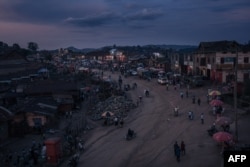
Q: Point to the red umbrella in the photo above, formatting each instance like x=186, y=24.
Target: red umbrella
x=216, y=102
x=222, y=136
x=223, y=121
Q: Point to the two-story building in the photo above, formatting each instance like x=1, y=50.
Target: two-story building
x=217, y=61
x=188, y=64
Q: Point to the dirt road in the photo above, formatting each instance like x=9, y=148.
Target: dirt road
x=157, y=129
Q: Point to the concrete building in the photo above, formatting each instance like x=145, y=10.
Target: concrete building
x=217, y=60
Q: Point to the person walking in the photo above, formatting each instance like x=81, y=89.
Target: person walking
x=186, y=93
x=199, y=101
x=207, y=98
x=190, y=115
x=167, y=86
x=181, y=94
x=202, y=118
x=178, y=153
x=183, y=148
x=175, y=147
x=193, y=99
x=121, y=122
x=176, y=111
x=116, y=121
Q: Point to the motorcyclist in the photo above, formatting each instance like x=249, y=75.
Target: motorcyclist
x=134, y=85
x=212, y=130
x=73, y=161
x=130, y=133
x=176, y=111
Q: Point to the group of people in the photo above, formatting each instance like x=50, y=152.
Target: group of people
x=119, y=122
x=116, y=121
x=178, y=150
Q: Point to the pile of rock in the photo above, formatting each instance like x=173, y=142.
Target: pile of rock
x=118, y=105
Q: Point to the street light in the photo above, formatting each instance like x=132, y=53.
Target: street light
x=235, y=95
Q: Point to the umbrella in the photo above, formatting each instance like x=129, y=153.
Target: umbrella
x=222, y=136
x=107, y=114
x=216, y=102
x=223, y=121
x=214, y=93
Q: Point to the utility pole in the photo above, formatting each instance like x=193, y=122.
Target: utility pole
x=235, y=95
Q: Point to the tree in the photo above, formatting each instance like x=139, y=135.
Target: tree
x=3, y=45
x=33, y=46
x=16, y=46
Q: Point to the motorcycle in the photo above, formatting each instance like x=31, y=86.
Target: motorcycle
x=81, y=146
x=130, y=137
x=146, y=93
x=212, y=131
x=73, y=160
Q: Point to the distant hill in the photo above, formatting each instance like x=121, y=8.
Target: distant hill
x=154, y=47
x=175, y=47
x=85, y=50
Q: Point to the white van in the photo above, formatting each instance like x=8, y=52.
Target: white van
x=161, y=74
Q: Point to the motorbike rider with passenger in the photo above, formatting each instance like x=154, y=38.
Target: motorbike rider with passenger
x=130, y=133
x=146, y=92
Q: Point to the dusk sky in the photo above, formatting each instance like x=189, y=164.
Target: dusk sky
x=54, y=24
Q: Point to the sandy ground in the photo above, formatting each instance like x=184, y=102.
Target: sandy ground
x=157, y=129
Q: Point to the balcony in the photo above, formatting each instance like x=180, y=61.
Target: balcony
x=231, y=66
x=224, y=66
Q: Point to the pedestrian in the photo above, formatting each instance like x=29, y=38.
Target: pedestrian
x=186, y=93
x=193, y=99
x=140, y=98
x=214, y=110
x=176, y=111
x=199, y=101
x=190, y=115
x=137, y=102
x=116, y=121
x=175, y=87
x=178, y=153
x=175, y=147
x=183, y=148
x=181, y=94
x=207, y=98
x=202, y=118
x=167, y=86
x=121, y=122
x=70, y=114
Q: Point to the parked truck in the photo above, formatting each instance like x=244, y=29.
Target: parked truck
x=143, y=73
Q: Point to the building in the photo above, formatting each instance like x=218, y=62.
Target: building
x=217, y=60
x=188, y=65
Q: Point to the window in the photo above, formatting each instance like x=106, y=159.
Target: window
x=222, y=60
x=203, y=61
x=191, y=58
x=246, y=77
x=246, y=59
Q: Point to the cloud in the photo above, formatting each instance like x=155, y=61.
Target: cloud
x=117, y=19
x=65, y=21
x=145, y=14
x=93, y=20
